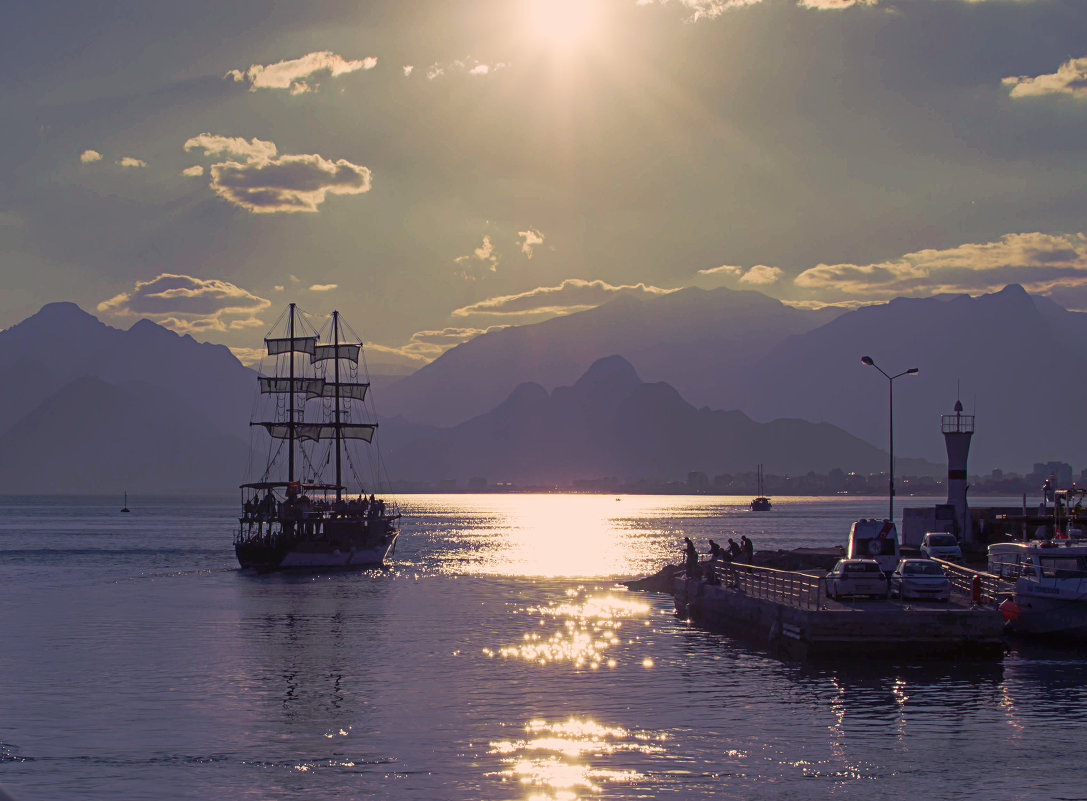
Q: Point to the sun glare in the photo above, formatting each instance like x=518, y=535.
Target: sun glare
x=563, y=24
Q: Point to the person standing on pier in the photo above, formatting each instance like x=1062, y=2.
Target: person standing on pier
x=747, y=549
x=691, y=557
x=734, y=550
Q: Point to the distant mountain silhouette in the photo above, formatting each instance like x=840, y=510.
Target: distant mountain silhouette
x=1019, y=359
x=96, y=437
x=85, y=407
x=697, y=340
x=62, y=342
x=610, y=423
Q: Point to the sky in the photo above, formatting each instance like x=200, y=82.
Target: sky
x=434, y=169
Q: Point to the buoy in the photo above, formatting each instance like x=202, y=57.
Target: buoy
x=1009, y=609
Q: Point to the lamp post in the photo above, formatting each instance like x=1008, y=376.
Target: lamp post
x=867, y=360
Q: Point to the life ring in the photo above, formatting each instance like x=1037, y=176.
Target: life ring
x=875, y=547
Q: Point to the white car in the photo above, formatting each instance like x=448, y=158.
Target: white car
x=920, y=578
x=856, y=577
x=938, y=545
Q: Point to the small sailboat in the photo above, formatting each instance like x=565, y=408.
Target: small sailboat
x=316, y=415
x=761, y=503
x=124, y=507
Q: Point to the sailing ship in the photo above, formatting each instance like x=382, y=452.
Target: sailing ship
x=760, y=503
x=124, y=506
x=315, y=406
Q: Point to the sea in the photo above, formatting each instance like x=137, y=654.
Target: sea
x=497, y=657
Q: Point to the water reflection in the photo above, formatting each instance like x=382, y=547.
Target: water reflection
x=584, y=630
x=563, y=760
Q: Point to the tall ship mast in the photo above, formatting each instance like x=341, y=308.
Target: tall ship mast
x=302, y=511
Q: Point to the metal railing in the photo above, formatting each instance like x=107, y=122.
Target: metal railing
x=992, y=589
x=781, y=586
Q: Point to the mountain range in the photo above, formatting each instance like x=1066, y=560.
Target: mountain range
x=651, y=388
x=610, y=423
x=1014, y=359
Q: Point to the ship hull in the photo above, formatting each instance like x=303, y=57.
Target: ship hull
x=335, y=544
x=1051, y=617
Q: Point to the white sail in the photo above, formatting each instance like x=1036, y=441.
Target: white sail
x=278, y=345
x=346, y=390
x=349, y=352
x=314, y=387
x=321, y=431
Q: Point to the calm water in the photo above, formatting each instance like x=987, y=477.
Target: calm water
x=497, y=659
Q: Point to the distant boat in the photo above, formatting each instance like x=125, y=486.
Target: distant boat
x=319, y=409
x=761, y=503
x=125, y=508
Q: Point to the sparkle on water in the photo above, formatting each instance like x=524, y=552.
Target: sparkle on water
x=563, y=758
x=578, y=631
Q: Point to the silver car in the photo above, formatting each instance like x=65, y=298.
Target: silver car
x=856, y=577
x=941, y=546
x=921, y=579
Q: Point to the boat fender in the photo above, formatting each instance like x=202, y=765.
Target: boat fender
x=1009, y=609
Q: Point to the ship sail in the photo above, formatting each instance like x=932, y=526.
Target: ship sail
x=319, y=431
x=324, y=352
x=278, y=345
x=313, y=387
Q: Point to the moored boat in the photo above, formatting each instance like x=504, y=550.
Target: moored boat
x=1050, y=580
x=293, y=517
x=761, y=503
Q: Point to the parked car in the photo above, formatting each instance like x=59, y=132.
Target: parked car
x=920, y=578
x=856, y=577
x=941, y=546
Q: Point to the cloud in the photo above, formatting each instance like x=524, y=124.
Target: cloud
x=89, y=156
x=295, y=75
x=408, y=69
x=425, y=346
x=1069, y=79
x=530, y=239
x=193, y=172
x=759, y=275
x=214, y=145
x=251, y=357
x=572, y=295
x=1054, y=265
x=728, y=270
x=128, y=161
x=266, y=183
x=322, y=287
x=484, y=253
x=469, y=66
x=834, y=4
x=187, y=304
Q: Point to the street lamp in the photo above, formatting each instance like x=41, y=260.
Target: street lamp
x=867, y=360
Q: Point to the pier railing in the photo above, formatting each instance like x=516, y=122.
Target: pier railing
x=991, y=589
x=792, y=589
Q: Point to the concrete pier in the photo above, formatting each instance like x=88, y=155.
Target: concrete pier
x=790, y=614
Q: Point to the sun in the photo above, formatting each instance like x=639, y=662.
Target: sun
x=563, y=25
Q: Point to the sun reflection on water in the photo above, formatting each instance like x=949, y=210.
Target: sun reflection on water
x=584, y=629
x=559, y=536
x=555, y=759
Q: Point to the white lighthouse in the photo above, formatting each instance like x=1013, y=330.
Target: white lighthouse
x=958, y=428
